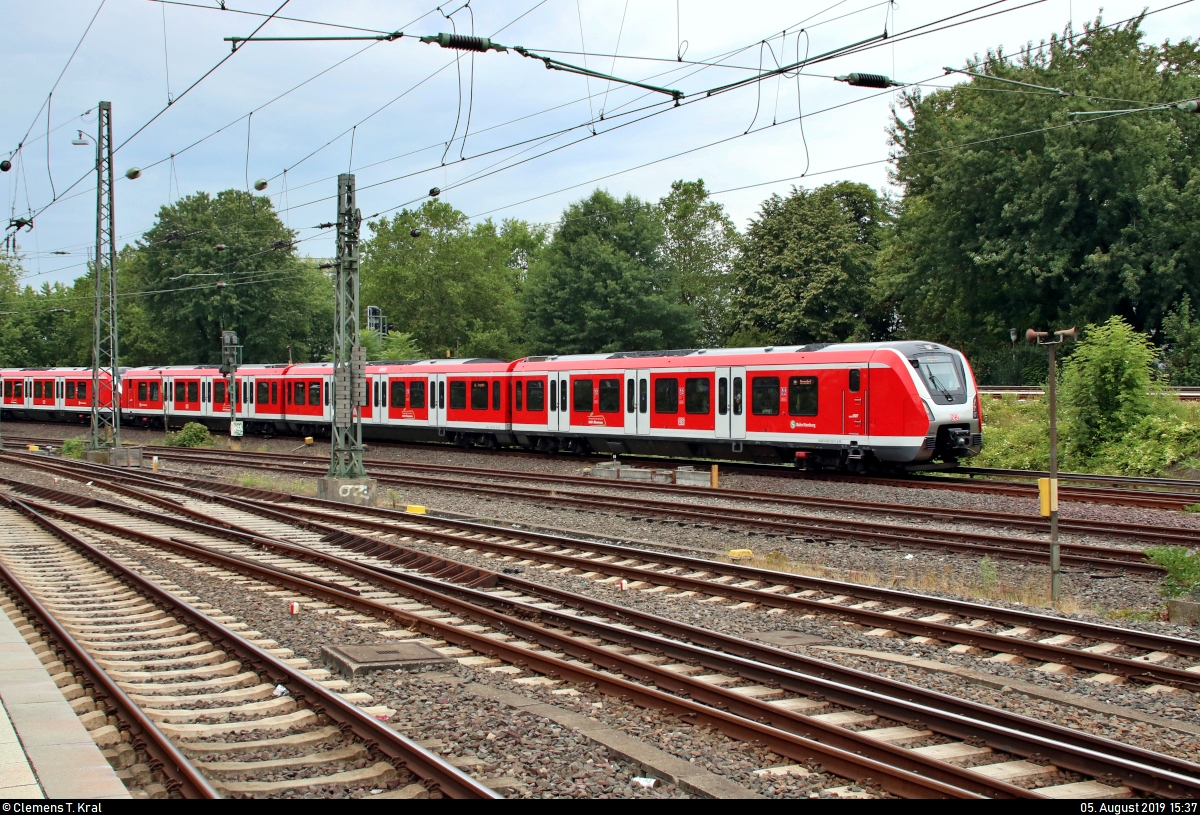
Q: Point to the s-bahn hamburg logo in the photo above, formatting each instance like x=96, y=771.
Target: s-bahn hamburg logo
x=595, y=421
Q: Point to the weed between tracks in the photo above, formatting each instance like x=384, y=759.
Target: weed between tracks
x=274, y=483
x=944, y=580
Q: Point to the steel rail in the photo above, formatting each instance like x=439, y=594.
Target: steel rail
x=1092, y=755
x=1050, y=653
x=898, y=771
x=451, y=781
x=1156, y=533
x=799, y=525
x=182, y=775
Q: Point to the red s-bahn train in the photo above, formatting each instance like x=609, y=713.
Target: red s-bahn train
x=843, y=406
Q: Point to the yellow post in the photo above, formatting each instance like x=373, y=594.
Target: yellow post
x=1048, y=495
x=715, y=478
x=154, y=463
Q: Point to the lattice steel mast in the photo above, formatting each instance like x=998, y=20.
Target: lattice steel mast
x=106, y=405
x=349, y=358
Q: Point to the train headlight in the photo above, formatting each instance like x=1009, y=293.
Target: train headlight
x=929, y=411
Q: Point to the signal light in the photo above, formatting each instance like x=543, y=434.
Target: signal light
x=869, y=81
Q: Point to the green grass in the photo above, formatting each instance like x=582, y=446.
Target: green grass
x=1016, y=435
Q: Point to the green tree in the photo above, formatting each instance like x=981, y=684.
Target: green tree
x=455, y=288
x=805, y=271
x=699, y=247
x=1182, y=332
x=1106, y=386
x=225, y=263
x=1014, y=215
x=603, y=285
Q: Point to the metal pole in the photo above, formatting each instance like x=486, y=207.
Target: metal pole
x=349, y=358
x=106, y=413
x=1055, y=564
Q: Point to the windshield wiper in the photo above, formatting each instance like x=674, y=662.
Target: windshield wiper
x=937, y=383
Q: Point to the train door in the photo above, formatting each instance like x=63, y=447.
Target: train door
x=853, y=404
x=723, y=423
x=637, y=402
x=377, y=395
x=737, y=403
x=246, y=408
x=559, y=402
x=437, y=400
x=43, y=393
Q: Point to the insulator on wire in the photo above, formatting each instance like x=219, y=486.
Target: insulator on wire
x=5, y=166
x=869, y=81
x=461, y=42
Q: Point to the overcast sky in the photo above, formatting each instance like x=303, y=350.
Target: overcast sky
x=404, y=97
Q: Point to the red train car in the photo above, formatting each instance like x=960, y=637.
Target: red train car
x=847, y=405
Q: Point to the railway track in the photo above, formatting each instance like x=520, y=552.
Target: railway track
x=658, y=652
x=1150, y=493
x=1107, y=651
x=635, y=504
x=185, y=686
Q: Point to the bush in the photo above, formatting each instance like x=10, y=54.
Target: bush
x=1015, y=434
x=1183, y=569
x=193, y=434
x=1168, y=437
x=1106, y=386
x=73, y=448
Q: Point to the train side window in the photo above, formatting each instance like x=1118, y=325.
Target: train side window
x=398, y=393
x=8, y=389
x=537, y=395
x=153, y=391
x=416, y=394
x=70, y=390
x=274, y=393
x=855, y=380
x=802, y=396
x=723, y=395
x=314, y=393
x=300, y=388
x=519, y=396
x=553, y=395
x=643, y=396
x=37, y=389
x=666, y=395
x=441, y=395
x=737, y=396
x=479, y=395
x=375, y=394
x=219, y=392
x=497, y=397
x=764, y=396
x=19, y=392
x=610, y=396
x=264, y=393
x=142, y=391
x=562, y=396
x=629, y=396
x=582, y=396
x=697, y=395
x=458, y=395
x=81, y=390
x=193, y=391
x=180, y=392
